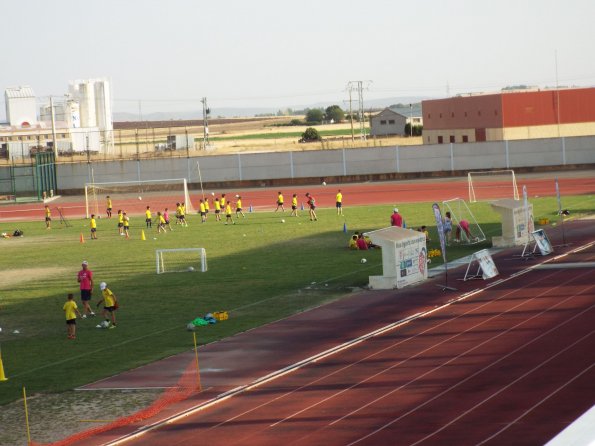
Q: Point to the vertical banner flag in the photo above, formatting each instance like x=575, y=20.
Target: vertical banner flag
x=526, y=205
x=558, y=196
x=440, y=228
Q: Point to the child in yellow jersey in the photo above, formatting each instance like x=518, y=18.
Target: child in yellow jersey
x=93, y=225
x=120, y=222
x=339, y=203
x=228, y=214
x=148, y=217
x=160, y=222
x=207, y=206
x=203, y=211
x=108, y=206
x=183, y=214
x=70, y=311
x=178, y=213
x=280, y=202
x=294, y=206
x=110, y=305
x=217, y=209
x=48, y=217
x=126, y=224
x=239, y=208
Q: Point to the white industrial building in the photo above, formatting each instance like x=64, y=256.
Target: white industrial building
x=80, y=121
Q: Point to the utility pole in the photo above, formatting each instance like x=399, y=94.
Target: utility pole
x=359, y=85
x=351, y=116
x=410, y=120
x=205, y=121
x=55, y=146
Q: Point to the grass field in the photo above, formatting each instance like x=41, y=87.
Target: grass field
x=260, y=270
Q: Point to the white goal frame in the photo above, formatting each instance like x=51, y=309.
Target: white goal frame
x=91, y=196
x=161, y=269
x=458, y=213
x=514, y=190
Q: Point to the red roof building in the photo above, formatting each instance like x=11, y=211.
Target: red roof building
x=510, y=115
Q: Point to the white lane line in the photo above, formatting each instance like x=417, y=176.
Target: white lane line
x=483, y=369
x=539, y=403
x=502, y=389
x=240, y=389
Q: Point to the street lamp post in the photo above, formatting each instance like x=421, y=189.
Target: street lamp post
x=410, y=120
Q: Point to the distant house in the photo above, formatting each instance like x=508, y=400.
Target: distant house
x=392, y=121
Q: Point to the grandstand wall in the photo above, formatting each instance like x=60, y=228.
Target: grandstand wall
x=344, y=165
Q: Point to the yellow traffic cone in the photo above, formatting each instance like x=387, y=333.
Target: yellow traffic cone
x=142, y=234
x=2, y=375
x=82, y=238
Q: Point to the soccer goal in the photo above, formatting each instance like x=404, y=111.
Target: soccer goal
x=492, y=185
x=464, y=224
x=181, y=260
x=159, y=193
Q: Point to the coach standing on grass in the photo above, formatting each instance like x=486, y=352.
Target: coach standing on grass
x=396, y=219
x=85, y=279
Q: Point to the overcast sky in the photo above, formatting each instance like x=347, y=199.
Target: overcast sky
x=242, y=53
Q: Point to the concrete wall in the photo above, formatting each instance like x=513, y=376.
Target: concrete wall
x=379, y=162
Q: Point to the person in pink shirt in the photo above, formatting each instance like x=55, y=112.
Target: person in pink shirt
x=396, y=219
x=361, y=243
x=463, y=225
x=85, y=279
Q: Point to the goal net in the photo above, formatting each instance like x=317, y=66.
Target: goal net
x=464, y=225
x=181, y=260
x=492, y=185
x=134, y=196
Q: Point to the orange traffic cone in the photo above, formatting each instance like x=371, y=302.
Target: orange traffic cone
x=82, y=238
x=2, y=375
x=142, y=235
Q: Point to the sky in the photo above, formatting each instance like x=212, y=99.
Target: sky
x=265, y=53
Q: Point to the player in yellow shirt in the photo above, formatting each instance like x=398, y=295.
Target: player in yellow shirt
x=239, y=208
x=148, y=217
x=108, y=206
x=48, y=217
x=223, y=201
x=217, y=209
x=183, y=214
x=203, y=211
x=339, y=203
x=207, y=206
x=280, y=202
x=126, y=224
x=120, y=222
x=93, y=225
x=160, y=222
x=70, y=311
x=110, y=305
x=228, y=214
x=294, y=206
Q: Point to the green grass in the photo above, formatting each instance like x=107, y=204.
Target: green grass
x=260, y=270
x=282, y=135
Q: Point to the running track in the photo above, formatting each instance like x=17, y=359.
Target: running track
x=390, y=193
x=505, y=362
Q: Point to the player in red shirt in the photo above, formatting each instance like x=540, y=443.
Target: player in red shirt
x=396, y=219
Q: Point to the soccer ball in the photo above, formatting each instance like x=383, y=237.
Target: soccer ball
x=213, y=194
x=140, y=198
x=363, y=260
x=190, y=327
x=237, y=196
x=104, y=324
x=324, y=183
x=282, y=221
x=190, y=268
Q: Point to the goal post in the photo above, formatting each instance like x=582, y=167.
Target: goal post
x=126, y=192
x=492, y=185
x=179, y=260
x=470, y=231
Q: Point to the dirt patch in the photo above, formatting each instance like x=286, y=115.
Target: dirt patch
x=57, y=416
x=11, y=277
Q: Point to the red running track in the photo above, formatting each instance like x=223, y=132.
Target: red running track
x=389, y=193
x=510, y=363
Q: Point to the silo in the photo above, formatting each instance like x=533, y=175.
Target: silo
x=103, y=109
x=84, y=93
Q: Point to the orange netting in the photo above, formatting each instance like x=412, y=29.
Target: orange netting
x=188, y=384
